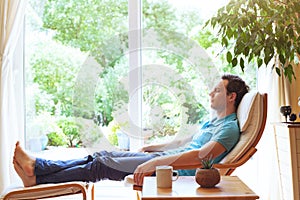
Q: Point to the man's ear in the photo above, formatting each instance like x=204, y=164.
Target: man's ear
x=232, y=96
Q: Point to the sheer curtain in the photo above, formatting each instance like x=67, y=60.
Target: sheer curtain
x=11, y=85
x=267, y=164
x=261, y=173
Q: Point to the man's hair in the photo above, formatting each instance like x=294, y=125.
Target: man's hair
x=237, y=85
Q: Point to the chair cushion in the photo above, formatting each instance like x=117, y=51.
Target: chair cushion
x=250, y=117
x=244, y=110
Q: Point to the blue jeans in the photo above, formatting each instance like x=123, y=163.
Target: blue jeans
x=102, y=165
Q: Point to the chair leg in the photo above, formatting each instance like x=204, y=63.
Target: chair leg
x=93, y=192
x=138, y=195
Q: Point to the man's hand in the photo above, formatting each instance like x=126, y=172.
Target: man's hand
x=145, y=169
x=143, y=149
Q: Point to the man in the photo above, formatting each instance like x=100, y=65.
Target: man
x=215, y=139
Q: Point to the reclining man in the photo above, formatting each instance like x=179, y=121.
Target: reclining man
x=215, y=138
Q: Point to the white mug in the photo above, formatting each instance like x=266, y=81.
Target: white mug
x=165, y=175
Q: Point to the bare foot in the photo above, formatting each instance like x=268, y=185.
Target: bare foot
x=27, y=180
x=24, y=161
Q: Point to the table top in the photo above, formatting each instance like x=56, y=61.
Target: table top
x=288, y=124
x=230, y=187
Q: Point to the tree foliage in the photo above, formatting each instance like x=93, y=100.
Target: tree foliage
x=88, y=25
x=261, y=31
x=100, y=27
x=55, y=77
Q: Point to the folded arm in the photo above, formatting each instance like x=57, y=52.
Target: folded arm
x=166, y=146
x=192, y=157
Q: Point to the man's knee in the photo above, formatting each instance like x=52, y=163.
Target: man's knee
x=101, y=153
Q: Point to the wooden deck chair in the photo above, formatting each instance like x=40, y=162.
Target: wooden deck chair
x=51, y=190
x=252, y=115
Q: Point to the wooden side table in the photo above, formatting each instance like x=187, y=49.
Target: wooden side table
x=186, y=188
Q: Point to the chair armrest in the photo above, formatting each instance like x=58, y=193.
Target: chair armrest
x=236, y=164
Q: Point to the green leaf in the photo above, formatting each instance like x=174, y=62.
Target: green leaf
x=229, y=33
x=246, y=51
x=289, y=72
x=207, y=23
x=250, y=57
x=281, y=59
x=268, y=54
x=259, y=62
x=267, y=58
x=234, y=62
x=242, y=64
x=290, y=30
x=229, y=56
x=278, y=71
x=224, y=42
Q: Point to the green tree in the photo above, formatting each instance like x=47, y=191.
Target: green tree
x=55, y=76
x=110, y=93
x=94, y=29
x=88, y=25
x=100, y=28
x=70, y=128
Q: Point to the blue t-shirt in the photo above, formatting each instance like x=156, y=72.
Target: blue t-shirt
x=226, y=131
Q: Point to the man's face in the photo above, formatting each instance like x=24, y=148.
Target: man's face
x=218, y=96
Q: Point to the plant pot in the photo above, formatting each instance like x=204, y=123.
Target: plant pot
x=207, y=178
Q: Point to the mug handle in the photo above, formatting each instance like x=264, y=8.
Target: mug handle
x=175, y=175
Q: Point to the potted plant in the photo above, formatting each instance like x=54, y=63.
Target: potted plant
x=207, y=176
x=266, y=32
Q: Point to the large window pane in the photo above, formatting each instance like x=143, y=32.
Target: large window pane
x=182, y=59
x=75, y=57
x=91, y=80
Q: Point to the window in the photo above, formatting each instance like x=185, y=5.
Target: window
x=68, y=45
x=110, y=70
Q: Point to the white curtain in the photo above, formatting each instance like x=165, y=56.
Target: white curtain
x=11, y=85
x=267, y=170
x=261, y=172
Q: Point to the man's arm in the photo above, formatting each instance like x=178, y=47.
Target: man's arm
x=166, y=146
x=192, y=157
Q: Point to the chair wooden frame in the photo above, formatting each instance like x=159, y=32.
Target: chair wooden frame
x=52, y=190
x=228, y=168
